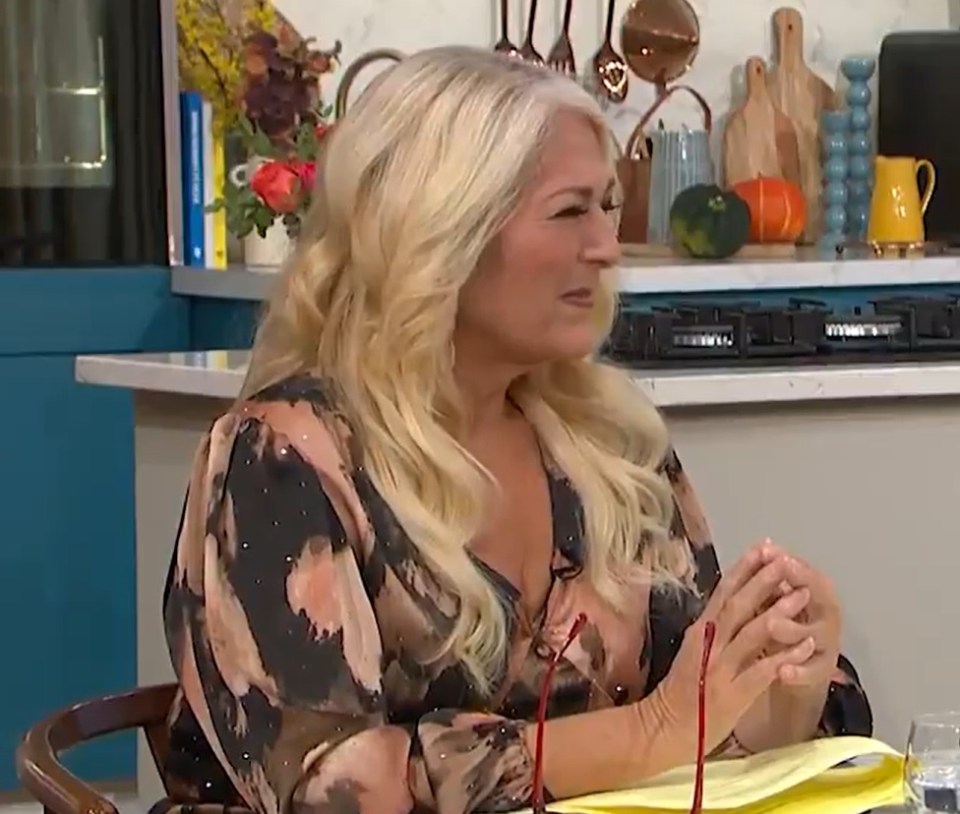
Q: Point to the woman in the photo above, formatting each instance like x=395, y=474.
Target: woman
x=428, y=478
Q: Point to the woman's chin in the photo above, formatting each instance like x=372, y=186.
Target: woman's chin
x=573, y=348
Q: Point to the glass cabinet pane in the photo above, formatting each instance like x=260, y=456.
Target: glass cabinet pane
x=81, y=133
x=52, y=94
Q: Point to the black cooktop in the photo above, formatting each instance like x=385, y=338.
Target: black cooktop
x=800, y=331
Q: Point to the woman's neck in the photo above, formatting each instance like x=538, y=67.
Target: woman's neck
x=484, y=386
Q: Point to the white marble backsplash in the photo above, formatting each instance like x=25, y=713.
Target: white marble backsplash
x=731, y=31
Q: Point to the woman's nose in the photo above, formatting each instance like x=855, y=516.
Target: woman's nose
x=602, y=245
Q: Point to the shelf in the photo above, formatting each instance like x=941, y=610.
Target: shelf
x=656, y=277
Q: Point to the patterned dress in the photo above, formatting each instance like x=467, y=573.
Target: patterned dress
x=298, y=614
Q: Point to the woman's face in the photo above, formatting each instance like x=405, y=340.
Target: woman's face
x=532, y=298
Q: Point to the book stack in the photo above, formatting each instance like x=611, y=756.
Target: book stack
x=203, y=174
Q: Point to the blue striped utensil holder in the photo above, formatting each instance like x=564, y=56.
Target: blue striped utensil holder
x=680, y=159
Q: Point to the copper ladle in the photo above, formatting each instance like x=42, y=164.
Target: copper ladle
x=609, y=68
x=527, y=51
x=504, y=46
x=660, y=40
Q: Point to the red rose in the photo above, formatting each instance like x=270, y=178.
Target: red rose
x=278, y=185
x=307, y=172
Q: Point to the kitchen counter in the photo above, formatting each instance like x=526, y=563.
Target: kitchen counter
x=219, y=375
x=660, y=275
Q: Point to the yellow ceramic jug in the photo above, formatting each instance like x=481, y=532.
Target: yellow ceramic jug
x=896, y=205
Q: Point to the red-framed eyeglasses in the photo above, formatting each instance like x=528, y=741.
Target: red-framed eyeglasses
x=710, y=630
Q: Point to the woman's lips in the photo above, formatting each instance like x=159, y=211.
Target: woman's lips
x=579, y=298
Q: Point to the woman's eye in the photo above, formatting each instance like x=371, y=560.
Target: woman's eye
x=580, y=211
x=572, y=212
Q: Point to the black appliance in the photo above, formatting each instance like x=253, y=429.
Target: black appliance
x=796, y=332
x=918, y=114
x=82, y=160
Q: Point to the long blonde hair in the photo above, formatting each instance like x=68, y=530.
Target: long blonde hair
x=415, y=182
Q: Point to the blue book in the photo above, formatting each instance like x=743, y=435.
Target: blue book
x=192, y=173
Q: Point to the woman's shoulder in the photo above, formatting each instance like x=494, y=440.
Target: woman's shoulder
x=292, y=433
x=305, y=409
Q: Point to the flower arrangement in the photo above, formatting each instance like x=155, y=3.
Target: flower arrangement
x=281, y=122
x=210, y=44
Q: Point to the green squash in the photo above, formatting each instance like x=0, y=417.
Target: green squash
x=708, y=222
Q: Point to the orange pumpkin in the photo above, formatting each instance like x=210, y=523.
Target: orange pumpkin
x=778, y=212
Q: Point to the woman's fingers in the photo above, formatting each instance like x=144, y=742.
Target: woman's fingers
x=810, y=673
x=745, y=605
x=759, y=633
x=734, y=579
x=757, y=678
x=787, y=632
x=799, y=572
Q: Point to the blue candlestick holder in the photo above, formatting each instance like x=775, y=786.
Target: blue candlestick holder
x=858, y=72
x=834, y=129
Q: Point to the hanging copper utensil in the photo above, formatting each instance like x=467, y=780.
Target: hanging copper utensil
x=504, y=46
x=527, y=51
x=660, y=39
x=609, y=68
x=561, y=57
x=354, y=68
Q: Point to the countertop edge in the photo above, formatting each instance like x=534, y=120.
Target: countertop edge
x=650, y=277
x=151, y=377
x=693, y=388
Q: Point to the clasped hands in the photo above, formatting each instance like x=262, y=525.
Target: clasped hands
x=777, y=640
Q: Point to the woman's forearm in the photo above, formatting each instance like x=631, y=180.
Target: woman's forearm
x=609, y=748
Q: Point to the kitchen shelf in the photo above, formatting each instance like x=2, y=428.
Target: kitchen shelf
x=657, y=276
x=642, y=276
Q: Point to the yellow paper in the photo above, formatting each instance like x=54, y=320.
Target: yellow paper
x=801, y=779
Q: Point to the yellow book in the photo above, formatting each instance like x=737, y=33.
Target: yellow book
x=806, y=778
x=219, y=217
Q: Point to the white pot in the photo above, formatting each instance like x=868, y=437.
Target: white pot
x=270, y=251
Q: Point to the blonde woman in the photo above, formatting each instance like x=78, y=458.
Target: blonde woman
x=429, y=477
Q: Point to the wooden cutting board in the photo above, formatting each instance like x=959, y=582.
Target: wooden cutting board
x=759, y=138
x=802, y=95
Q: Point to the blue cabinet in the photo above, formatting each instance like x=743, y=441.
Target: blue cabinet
x=67, y=578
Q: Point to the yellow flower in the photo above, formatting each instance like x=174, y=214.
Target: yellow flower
x=210, y=36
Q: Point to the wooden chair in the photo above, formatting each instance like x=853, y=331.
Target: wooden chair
x=38, y=756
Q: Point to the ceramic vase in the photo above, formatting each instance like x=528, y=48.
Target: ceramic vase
x=262, y=252
x=834, y=129
x=269, y=252
x=858, y=71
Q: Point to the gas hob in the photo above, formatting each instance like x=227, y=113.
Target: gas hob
x=799, y=331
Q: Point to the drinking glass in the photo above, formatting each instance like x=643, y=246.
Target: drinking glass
x=931, y=780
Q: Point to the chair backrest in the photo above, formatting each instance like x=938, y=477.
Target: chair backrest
x=38, y=756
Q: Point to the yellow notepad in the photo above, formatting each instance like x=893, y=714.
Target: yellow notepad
x=801, y=779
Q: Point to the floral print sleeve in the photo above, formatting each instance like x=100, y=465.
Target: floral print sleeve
x=276, y=643
x=847, y=710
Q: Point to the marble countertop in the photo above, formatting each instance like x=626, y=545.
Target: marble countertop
x=219, y=374
x=657, y=275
